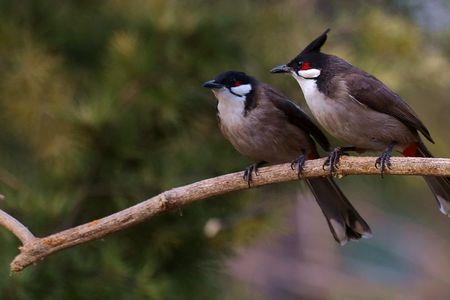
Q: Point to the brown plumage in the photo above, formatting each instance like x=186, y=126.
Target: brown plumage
x=265, y=134
x=262, y=124
x=362, y=111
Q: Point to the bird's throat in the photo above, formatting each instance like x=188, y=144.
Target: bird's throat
x=230, y=107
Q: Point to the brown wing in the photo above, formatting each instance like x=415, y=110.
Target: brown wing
x=296, y=116
x=370, y=91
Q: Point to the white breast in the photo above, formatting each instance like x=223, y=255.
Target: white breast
x=317, y=102
x=353, y=122
x=230, y=107
x=336, y=116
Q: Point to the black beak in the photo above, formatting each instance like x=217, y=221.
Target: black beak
x=212, y=84
x=281, y=69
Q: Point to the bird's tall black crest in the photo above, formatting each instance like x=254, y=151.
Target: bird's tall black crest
x=315, y=45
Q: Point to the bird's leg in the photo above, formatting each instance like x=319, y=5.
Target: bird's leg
x=299, y=163
x=384, y=161
x=252, y=169
x=334, y=157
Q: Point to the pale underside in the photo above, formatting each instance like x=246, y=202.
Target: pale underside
x=263, y=134
x=351, y=121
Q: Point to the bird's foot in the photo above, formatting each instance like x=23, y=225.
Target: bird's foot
x=333, y=159
x=298, y=164
x=248, y=173
x=384, y=161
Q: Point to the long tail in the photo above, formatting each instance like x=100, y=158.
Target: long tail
x=344, y=221
x=440, y=186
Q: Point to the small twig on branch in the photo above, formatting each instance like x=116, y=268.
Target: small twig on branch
x=36, y=249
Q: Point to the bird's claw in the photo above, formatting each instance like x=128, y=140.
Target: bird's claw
x=384, y=162
x=333, y=159
x=299, y=164
x=248, y=173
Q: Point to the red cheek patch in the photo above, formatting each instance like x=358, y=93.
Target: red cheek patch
x=306, y=66
x=237, y=83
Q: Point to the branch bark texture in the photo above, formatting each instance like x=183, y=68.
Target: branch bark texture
x=36, y=249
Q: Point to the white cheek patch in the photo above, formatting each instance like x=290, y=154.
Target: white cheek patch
x=311, y=73
x=242, y=90
x=225, y=97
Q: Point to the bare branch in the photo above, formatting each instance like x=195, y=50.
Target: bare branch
x=36, y=249
x=17, y=228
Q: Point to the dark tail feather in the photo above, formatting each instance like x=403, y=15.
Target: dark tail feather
x=344, y=221
x=440, y=186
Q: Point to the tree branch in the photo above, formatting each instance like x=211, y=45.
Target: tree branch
x=36, y=249
x=17, y=228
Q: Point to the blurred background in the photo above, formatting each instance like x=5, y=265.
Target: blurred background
x=102, y=107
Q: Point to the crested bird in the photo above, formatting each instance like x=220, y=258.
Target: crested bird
x=360, y=110
x=262, y=124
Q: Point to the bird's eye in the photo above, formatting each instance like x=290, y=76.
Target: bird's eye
x=237, y=83
x=305, y=66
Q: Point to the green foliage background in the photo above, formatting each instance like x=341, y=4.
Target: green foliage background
x=101, y=106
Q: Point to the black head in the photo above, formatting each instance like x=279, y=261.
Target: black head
x=309, y=58
x=236, y=87
x=228, y=79
x=238, y=83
